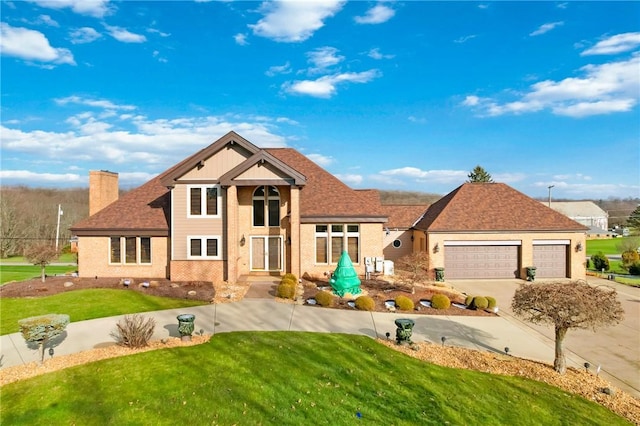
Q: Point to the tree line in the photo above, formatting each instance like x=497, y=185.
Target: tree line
x=29, y=216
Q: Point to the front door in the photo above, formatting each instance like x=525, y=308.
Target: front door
x=266, y=253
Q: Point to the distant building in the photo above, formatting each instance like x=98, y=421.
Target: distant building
x=584, y=212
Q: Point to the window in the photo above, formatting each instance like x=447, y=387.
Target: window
x=204, y=201
x=266, y=205
x=204, y=247
x=332, y=240
x=130, y=250
x=397, y=243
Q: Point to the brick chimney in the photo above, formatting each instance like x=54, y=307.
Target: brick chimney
x=103, y=189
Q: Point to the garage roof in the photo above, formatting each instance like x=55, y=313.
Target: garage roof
x=492, y=207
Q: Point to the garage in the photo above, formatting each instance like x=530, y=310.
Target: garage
x=550, y=260
x=486, y=260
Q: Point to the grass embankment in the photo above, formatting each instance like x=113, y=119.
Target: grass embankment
x=83, y=305
x=287, y=378
x=610, y=247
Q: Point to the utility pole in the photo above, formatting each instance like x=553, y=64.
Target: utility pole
x=550, y=186
x=58, y=227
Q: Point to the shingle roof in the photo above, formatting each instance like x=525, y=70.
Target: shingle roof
x=146, y=209
x=403, y=216
x=324, y=195
x=492, y=207
x=141, y=211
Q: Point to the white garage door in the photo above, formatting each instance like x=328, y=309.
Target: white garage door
x=550, y=261
x=480, y=261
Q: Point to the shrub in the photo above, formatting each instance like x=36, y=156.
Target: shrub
x=134, y=331
x=630, y=257
x=634, y=269
x=491, y=302
x=365, y=303
x=290, y=276
x=324, y=298
x=600, y=261
x=588, y=263
x=480, y=302
x=468, y=300
x=286, y=290
x=288, y=281
x=404, y=303
x=440, y=301
x=43, y=328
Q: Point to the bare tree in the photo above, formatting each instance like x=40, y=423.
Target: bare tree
x=414, y=266
x=41, y=254
x=574, y=304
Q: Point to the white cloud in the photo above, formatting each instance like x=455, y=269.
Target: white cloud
x=589, y=190
x=615, y=44
x=415, y=119
x=422, y=176
x=322, y=160
x=603, y=89
x=483, y=6
x=130, y=142
x=84, y=35
x=241, y=39
x=376, y=15
x=562, y=5
x=37, y=178
x=95, y=8
x=158, y=32
x=279, y=69
x=545, y=28
x=46, y=20
x=375, y=54
x=156, y=54
x=464, y=39
x=96, y=103
x=326, y=86
x=31, y=45
x=349, y=179
x=323, y=57
x=124, y=35
x=292, y=20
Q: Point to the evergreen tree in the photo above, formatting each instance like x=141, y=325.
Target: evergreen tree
x=478, y=174
x=634, y=219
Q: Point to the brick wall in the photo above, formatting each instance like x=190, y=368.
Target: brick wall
x=197, y=270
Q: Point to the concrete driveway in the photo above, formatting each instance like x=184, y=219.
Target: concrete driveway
x=616, y=349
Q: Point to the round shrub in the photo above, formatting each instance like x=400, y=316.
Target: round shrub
x=286, y=280
x=468, y=300
x=286, y=290
x=404, y=303
x=365, y=303
x=440, y=301
x=600, y=261
x=290, y=276
x=480, y=302
x=491, y=302
x=324, y=298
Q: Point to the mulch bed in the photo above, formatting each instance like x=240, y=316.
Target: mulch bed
x=204, y=291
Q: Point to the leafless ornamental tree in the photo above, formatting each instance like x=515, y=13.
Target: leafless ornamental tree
x=574, y=304
x=41, y=254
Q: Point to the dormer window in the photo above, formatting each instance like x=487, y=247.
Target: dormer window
x=266, y=206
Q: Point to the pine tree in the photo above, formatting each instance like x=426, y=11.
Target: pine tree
x=634, y=219
x=478, y=174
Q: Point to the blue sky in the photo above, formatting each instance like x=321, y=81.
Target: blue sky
x=390, y=95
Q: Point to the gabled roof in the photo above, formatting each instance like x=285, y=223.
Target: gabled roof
x=325, y=197
x=146, y=209
x=578, y=208
x=262, y=156
x=403, y=216
x=477, y=207
x=188, y=164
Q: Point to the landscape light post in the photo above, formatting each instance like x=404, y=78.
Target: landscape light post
x=549, y=187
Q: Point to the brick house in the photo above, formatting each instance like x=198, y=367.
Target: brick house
x=234, y=209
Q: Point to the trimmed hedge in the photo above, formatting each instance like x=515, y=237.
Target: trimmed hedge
x=324, y=298
x=440, y=301
x=365, y=303
x=403, y=303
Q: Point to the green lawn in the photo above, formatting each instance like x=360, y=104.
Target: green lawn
x=82, y=305
x=288, y=378
x=606, y=246
x=64, y=258
x=10, y=273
